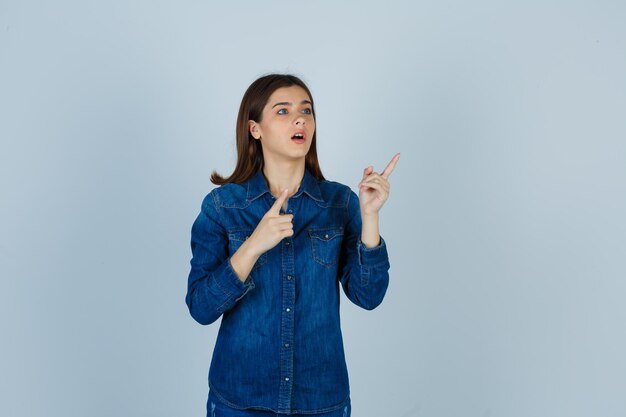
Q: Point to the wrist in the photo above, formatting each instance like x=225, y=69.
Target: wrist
x=373, y=215
x=249, y=249
x=369, y=218
x=369, y=233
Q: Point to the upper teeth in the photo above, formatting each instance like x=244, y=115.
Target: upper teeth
x=299, y=135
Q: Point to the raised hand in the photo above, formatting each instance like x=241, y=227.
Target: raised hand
x=272, y=228
x=374, y=187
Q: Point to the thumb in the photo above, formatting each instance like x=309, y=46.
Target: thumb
x=367, y=171
x=279, y=202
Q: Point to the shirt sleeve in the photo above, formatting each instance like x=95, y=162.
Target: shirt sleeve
x=364, y=272
x=213, y=286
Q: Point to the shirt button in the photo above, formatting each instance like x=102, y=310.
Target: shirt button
x=287, y=379
x=286, y=344
x=289, y=277
x=326, y=236
x=286, y=243
x=287, y=309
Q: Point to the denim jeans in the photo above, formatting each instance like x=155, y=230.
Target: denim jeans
x=215, y=408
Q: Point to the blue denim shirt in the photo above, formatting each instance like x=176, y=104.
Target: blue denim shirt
x=279, y=345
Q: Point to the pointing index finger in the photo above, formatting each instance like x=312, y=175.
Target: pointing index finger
x=390, y=166
x=279, y=201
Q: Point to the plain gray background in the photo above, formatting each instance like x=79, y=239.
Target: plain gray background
x=505, y=221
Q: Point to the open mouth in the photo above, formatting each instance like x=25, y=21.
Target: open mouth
x=298, y=137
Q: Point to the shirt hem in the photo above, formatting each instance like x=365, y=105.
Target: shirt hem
x=221, y=398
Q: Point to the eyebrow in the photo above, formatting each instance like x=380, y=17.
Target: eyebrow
x=289, y=103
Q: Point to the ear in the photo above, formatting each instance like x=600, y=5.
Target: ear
x=253, y=128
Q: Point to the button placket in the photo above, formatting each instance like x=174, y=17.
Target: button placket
x=287, y=323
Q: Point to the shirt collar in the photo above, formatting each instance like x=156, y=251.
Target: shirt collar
x=257, y=186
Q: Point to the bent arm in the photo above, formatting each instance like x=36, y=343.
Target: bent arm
x=214, y=286
x=364, y=271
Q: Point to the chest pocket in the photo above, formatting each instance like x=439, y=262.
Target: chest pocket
x=326, y=244
x=236, y=239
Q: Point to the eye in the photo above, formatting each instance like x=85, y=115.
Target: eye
x=308, y=110
x=279, y=111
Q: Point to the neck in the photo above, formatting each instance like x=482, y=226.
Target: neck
x=283, y=176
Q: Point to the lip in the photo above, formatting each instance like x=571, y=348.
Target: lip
x=299, y=131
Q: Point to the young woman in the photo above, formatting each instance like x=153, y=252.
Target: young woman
x=270, y=247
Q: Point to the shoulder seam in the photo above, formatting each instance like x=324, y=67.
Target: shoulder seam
x=216, y=203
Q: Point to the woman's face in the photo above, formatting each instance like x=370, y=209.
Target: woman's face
x=287, y=112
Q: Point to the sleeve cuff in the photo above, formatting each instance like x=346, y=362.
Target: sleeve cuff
x=232, y=284
x=371, y=257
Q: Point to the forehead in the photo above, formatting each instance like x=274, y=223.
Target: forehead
x=293, y=94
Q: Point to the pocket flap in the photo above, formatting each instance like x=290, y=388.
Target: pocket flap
x=326, y=233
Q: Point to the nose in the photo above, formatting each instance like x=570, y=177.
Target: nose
x=300, y=120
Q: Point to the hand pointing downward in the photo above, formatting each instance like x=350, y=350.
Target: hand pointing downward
x=374, y=187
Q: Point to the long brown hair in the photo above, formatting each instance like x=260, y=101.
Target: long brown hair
x=249, y=152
